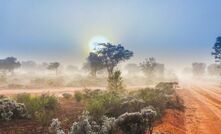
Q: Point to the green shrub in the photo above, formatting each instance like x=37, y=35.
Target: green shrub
x=78, y=96
x=42, y=107
x=115, y=81
x=67, y=95
x=103, y=103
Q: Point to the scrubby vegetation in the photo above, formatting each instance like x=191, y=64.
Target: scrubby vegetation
x=106, y=111
x=41, y=108
x=10, y=109
x=111, y=111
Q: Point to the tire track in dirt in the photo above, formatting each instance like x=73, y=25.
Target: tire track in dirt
x=202, y=115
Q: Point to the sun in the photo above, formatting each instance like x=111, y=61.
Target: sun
x=94, y=41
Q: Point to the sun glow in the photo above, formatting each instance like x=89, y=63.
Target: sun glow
x=96, y=40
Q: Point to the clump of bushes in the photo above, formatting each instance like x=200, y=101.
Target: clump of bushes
x=104, y=103
x=136, y=123
x=42, y=108
x=10, y=109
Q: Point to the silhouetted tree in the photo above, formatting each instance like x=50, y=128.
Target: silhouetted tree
x=54, y=66
x=9, y=64
x=198, y=69
x=94, y=63
x=217, y=50
x=111, y=55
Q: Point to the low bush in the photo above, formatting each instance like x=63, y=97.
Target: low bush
x=42, y=107
x=103, y=103
x=78, y=96
x=128, y=123
x=10, y=109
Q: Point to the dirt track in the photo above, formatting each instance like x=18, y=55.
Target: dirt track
x=203, y=108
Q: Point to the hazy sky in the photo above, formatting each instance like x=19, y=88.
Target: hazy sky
x=173, y=31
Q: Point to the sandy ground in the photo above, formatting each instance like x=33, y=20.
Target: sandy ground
x=203, y=108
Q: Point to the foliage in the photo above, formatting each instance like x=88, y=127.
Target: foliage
x=217, y=50
x=78, y=96
x=102, y=103
x=55, y=127
x=154, y=97
x=135, y=123
x=9, y=64
x=42, y=107
x=10, y=109
x=166, y=88
x=94, y=63
x=111, y=55
x=152, y=69
x=54, y=66
x=138, y=122
x=115, y=81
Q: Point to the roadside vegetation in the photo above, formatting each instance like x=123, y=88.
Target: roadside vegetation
x=102, y=111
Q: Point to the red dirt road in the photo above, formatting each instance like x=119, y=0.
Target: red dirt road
x=203, y=108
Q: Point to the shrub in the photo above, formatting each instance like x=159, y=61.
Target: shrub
x=10, y=109
x=42, y=107
x=103, y=103
x=67, y=95
x=138, y=122
x=55, y=127
x=155, y=98
x=78, y=96
x=115, y=81
x=176, y=103
x=129, y=123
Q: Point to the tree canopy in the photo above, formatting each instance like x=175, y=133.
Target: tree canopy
x=54, y=66
x=111, y=55
x=217, y=50
x=9, y=64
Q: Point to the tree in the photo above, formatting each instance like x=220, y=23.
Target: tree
x=54, y=66
x=115, y=81
x=9, y=64
x=152, y=69
x=94, y=63
x=198, y=69
x=217, y=50
x=111, y=55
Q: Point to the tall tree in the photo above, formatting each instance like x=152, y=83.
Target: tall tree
x=94, y=63
x=217, y=50
x=54, y=66
x=111, y=55
x=9, y=64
